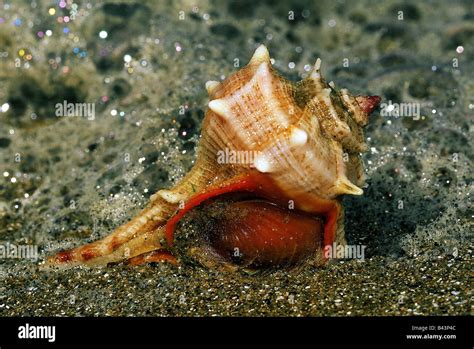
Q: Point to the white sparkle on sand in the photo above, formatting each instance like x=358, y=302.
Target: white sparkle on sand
x=4, y=108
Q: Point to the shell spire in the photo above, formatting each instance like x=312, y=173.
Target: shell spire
x=221, y=108
x=212, y=86
x=260, y=55
x=316, y=72
x=298, y=136
x=368, y=103
x=359, y=106
x=262, y=164
x=345, y=186
x=315, y=78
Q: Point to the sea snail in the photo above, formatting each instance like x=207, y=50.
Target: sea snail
x=301, y=143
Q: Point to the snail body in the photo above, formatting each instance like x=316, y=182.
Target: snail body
x=256, y=234
x=305, y=138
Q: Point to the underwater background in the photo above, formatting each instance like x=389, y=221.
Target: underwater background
x=67, y=180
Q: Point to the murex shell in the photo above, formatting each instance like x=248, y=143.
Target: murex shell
x=301, y=131
x=306, y=138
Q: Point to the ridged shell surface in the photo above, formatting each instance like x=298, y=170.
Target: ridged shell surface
x=304, y=135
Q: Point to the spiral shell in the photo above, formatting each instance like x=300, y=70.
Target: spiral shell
x=306, y=138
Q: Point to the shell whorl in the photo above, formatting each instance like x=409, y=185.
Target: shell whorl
x=307, y=135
